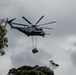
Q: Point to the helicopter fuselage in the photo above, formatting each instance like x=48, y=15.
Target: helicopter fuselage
x=31, y=31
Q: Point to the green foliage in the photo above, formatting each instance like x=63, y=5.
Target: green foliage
x=29, y=70
x=3, y=39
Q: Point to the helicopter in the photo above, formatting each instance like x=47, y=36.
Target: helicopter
x=29, y=30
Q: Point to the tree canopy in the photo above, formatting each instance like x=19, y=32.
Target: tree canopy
x=3, y=39
x=31, y=70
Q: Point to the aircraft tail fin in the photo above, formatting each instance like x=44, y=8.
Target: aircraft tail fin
x=9, y=22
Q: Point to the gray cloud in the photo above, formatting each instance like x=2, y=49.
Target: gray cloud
x=73, y=58
x=74, y=44
x=28, y=58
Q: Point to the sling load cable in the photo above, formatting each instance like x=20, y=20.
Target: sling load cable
x=36, y=43
x=32, y=41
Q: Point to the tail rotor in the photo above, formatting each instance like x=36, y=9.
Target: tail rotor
x=6, y=21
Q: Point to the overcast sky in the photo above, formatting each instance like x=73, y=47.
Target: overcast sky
x=60, y=46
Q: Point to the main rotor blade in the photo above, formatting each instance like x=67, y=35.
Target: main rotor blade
x=39, y=20
x=46, y=28
x=47, y=34
x=26, y=20
x=47, y=23
x=20, y=24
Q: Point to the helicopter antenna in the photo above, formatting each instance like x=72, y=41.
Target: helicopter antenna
x=53, y=65
x=39, y=20
x=27, y=20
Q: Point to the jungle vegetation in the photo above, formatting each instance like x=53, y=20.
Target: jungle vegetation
x=31, y=70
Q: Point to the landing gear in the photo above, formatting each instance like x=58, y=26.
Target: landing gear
x=43, y=35
x=28, y=35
